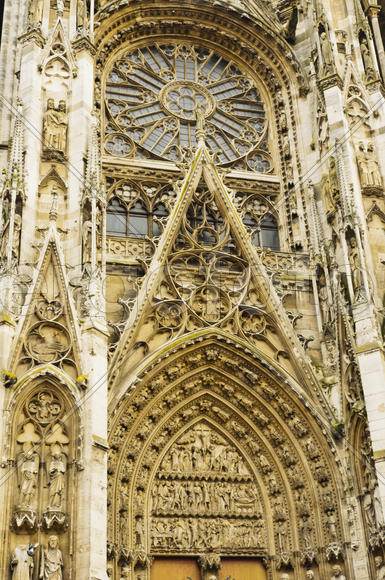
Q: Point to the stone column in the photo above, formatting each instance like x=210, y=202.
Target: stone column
x=30, y=95
x=372, y=12
x=91, y=526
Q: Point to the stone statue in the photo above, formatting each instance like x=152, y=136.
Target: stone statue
x=57, y=469
x=29, y=476
x=380, y=568
x=51, y=565
x=372, y=164
x=367, y=60
x=50, y=126
x=355, y=266
x=35, y=11
x=82, y=14
x=22, y=563
x=125, y=572
x=337, y=573
x=326, y=51
x=62, y=121
x=309, y=575
x=323, y=300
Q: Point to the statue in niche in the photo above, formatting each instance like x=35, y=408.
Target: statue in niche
x=15, y=238
x=369, y=511
x=355, y=266
x=368, y=166
x=367, y=59
x=323, y=299
x=327, y=53
x=57, y=469
x=380, y=568
x=51, y=565
x=62, y=121
x=50, y=125
x=22, y=563
x=309, y=575
x=337, y=573
x=29, y=477
x=55, y=123
x=125, y=573
x=35, y=11
x=373, y=169
x=82, y=14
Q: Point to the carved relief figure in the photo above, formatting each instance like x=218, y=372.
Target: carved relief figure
x=309, y=575
x=21, y=563
x=380, y=568
x=50, y=125
x=368, y=166
x=327, y=54
x=51, y=566
x=323, y=300
x=62, y=120
x=35, y=11
x=355, y=265
x=15, y=238
x=81, y=14
x=337, y=573
x=373, y=169
x=367, y=60
x=57, y=469
x=29, y=477
x=55, y=123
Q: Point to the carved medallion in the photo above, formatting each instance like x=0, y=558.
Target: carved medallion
x=44, y=407
x=48, y=342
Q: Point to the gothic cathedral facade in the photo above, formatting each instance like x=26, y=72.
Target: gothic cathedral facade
x=192, y=290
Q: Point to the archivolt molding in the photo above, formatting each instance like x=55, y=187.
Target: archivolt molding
x=285, y=451
x=250, y=39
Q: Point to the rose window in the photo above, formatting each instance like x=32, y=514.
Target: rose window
x=155, y=96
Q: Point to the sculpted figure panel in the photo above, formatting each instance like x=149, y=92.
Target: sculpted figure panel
x=57, y=469
x=203, y=477
x=28, y=479
x=51, y=567
x=21, y=563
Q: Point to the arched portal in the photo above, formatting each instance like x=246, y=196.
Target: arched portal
x=216, y=462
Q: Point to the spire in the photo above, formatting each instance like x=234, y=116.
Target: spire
x=92, y=186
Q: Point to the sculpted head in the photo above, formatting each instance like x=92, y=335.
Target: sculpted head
x=309, y=575
x=337, y=570
x=53, y=542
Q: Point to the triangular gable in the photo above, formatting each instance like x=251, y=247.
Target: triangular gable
x=165, y=298
x=48, y=332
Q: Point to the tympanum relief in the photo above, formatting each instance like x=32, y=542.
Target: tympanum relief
x=204, y=496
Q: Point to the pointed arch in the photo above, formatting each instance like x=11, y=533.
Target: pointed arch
x=294, y=472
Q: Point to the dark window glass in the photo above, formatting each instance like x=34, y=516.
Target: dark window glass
x=138, y=221
x=269, y=229
x=116, y=218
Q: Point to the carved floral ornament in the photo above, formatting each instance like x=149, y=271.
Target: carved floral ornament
x=238, y=457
